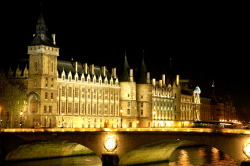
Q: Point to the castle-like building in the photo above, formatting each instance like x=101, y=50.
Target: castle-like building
x=78, y=95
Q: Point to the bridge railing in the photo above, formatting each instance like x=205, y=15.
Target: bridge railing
x=202, y=130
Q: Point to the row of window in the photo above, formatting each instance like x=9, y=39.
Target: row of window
x=89, y=93
x=88, y=109
x=47, y=109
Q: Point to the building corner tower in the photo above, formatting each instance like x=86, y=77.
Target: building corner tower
x=144, y=96
x=128, y=103
x=42, y=82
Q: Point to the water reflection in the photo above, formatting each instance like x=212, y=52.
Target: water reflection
x=199, y=156
x=64, y=161
x=191, y=156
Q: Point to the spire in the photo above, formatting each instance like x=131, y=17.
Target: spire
x=125, y=60
x=41, y=26
x=124, y=77
x=41, y=37
x=142, y=75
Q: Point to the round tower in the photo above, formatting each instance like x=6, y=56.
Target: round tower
x=144, y=97
x=128, y=103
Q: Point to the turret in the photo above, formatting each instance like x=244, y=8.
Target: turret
x=128, y=103
x=144, y=96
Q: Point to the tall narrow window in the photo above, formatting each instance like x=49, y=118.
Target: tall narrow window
x=52, y=82
x=36, y=66
x=76, y=108
x=70, y=108
x=70, y=92
x=63, y=107
x=46, y=82
x=83, y=109
x=50, y=109
x=76, y=92
x=63, y=91
x=45, y=109
x=52, y=67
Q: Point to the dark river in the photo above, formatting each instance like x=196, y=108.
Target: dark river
x=192, y=156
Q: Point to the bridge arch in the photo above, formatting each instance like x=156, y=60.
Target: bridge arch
x=230, y=144
x=41, y=149
x=153, y=152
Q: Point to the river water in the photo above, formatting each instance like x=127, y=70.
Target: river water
x=191, y=156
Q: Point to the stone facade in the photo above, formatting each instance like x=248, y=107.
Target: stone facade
x=75, y=95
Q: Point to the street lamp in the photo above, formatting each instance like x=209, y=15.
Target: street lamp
x=21, y=119
x=62, y=120
x=121, y=116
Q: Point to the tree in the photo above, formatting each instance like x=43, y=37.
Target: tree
x=12, y=95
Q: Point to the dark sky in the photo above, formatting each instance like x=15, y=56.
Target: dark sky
x=207, y=41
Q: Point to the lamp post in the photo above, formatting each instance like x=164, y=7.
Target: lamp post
x=21, y=119
x=62, y=120
x=121, y=116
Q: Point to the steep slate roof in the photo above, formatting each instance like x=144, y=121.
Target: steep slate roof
x=124, y=76
x=41, y=37
x=68, y=66
x=142, y=75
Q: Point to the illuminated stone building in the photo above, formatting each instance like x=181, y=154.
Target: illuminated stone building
x=73, y=94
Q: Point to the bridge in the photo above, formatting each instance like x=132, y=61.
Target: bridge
x=122, y=146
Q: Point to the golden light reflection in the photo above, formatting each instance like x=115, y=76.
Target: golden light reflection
x=184, y=158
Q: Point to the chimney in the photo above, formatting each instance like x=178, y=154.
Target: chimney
x=148, y=77
x=85, y=68
x=160, y=83
x=104, y=71
x=153, y=81
x=54, y=38
x=114, y=72
x=177, y=79
x=131, y=74
x=92, y=69
x=163, y=79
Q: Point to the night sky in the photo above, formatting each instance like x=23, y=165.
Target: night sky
x=207, y=41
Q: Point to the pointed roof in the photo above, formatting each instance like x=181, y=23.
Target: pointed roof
x=41, y=37
x=142, y=75
x=124, y=77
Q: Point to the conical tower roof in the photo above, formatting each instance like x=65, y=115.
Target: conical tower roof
x=124, y=77
x=142, y=74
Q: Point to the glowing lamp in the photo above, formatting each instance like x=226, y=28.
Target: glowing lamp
x=110, y=143
x=246, y=149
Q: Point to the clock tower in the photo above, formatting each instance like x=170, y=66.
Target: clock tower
x=42, y=82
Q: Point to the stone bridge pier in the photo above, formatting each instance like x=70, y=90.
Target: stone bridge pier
x=125, y=147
